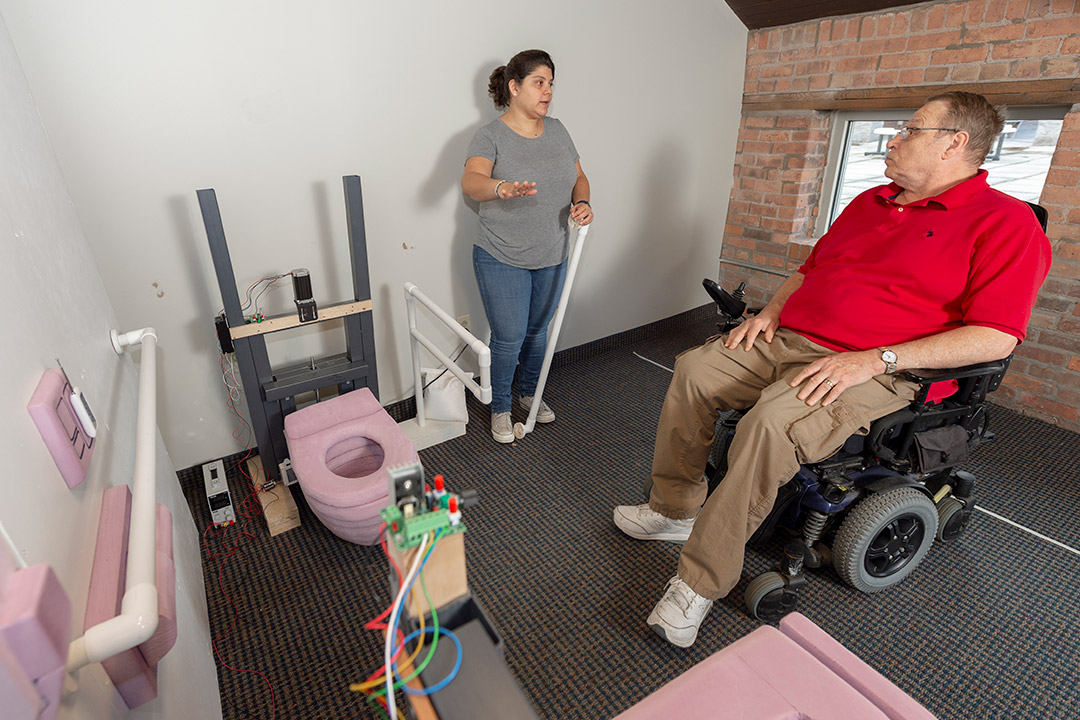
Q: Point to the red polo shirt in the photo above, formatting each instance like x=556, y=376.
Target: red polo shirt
x=887, y=273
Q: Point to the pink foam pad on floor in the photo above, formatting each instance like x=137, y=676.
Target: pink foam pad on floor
x=132, y=672
x=768, y=675
x=897, y=704
x=50, y=408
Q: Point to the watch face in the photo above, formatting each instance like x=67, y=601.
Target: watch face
x=888, y=356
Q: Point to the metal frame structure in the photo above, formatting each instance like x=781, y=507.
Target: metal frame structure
x=271, y=396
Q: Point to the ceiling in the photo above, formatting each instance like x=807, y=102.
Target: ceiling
x=757, y=14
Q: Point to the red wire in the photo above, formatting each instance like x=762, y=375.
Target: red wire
x=374, y=623
x=225, y=557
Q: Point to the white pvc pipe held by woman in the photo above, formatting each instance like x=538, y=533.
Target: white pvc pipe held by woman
x=482, y=391
x=138, y=616
x=520, y=430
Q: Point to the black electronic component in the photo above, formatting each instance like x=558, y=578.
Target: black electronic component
x=306, y=308
x=223, y=335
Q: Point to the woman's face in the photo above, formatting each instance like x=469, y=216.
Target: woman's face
x=533, y=94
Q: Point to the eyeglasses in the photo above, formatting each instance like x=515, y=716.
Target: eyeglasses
x=905, y=131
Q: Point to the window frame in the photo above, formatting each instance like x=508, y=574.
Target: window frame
x=840, y=128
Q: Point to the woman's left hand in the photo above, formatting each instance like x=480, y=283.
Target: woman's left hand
x=581, y=213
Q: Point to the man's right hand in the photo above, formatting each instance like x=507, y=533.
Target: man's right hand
x=765, y=323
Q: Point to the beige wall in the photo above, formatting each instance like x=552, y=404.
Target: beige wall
x=271, y=104
x=56, y=307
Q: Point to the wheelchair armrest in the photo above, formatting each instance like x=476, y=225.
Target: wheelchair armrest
x=973, y=381
x=924, y=377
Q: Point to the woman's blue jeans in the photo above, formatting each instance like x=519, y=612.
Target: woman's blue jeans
x=519, y=304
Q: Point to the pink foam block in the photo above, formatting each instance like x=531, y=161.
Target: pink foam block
x=50, y=408
x=134, y=671
x=18, y=697
x=49, y=687
x=163, y=639
x=35, y=626
x=35, y=620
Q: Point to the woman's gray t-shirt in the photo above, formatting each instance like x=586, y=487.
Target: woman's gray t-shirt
x=528, y=232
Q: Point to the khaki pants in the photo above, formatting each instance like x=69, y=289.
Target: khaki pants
x=772, y=439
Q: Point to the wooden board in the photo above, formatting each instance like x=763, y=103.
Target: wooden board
x=444, y=573
x=421, y=705
x=1064, y=91
x=291, y=320
x=278, y=505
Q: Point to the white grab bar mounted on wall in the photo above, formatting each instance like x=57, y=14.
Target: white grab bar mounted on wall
x=138, y=618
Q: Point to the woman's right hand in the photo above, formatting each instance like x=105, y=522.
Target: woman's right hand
x=508, y=190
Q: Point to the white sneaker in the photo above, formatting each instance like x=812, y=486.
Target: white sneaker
x=678, y=615
x=643, y=523
x=501, y=427
x=544, y=415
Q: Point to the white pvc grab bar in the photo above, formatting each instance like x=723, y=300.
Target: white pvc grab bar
x=138, y=618
x=481, y=390
x=520, y=430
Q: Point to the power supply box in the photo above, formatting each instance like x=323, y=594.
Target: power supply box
x=217, y=494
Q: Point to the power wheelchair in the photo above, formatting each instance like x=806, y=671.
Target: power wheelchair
x=883, y=498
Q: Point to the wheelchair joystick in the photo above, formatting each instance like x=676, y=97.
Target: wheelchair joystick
x=731, y=305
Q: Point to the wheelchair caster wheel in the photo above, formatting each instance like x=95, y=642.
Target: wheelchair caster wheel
x=768, y=597
x=953, y=518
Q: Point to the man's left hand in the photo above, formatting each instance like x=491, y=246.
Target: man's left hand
x=826, y=378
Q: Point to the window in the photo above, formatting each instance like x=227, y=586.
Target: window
x=1017, y=163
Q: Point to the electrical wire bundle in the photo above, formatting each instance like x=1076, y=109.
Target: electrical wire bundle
x=250, y=302
x=247, y=510
x=382, y=698
x=250, y=509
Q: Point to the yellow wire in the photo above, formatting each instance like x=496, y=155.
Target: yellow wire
x=361, y=687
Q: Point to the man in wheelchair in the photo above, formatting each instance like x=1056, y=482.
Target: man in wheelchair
x=934, y=270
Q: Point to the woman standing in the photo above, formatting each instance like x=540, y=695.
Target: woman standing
x=523, y=169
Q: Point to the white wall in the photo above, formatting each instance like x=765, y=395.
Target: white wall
x=271, y=103
x=55, y=306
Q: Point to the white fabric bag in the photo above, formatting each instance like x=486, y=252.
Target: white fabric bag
x=444, y=397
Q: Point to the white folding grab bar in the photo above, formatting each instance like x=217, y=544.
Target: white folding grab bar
x=138, y=618
x=481, y=390
x=520, y=430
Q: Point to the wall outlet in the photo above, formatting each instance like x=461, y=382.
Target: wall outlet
x=465, y=322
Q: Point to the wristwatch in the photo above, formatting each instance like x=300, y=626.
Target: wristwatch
x=889, y=358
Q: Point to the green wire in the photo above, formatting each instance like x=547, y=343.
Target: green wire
x=376, y=706
x=431, y=651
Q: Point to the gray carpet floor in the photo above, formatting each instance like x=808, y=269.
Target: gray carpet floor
x=986, y=627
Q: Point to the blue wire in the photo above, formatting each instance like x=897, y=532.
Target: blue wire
x=397, y=617
x=445, y=681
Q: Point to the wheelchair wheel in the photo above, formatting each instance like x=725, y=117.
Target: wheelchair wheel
x=767, y=597
x=884, y=538
x=953, y=518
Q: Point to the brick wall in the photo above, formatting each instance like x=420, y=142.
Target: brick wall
x=1010, y=50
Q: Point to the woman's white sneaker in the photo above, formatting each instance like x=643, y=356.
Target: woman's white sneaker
x=543, y=415
x=502, y=429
